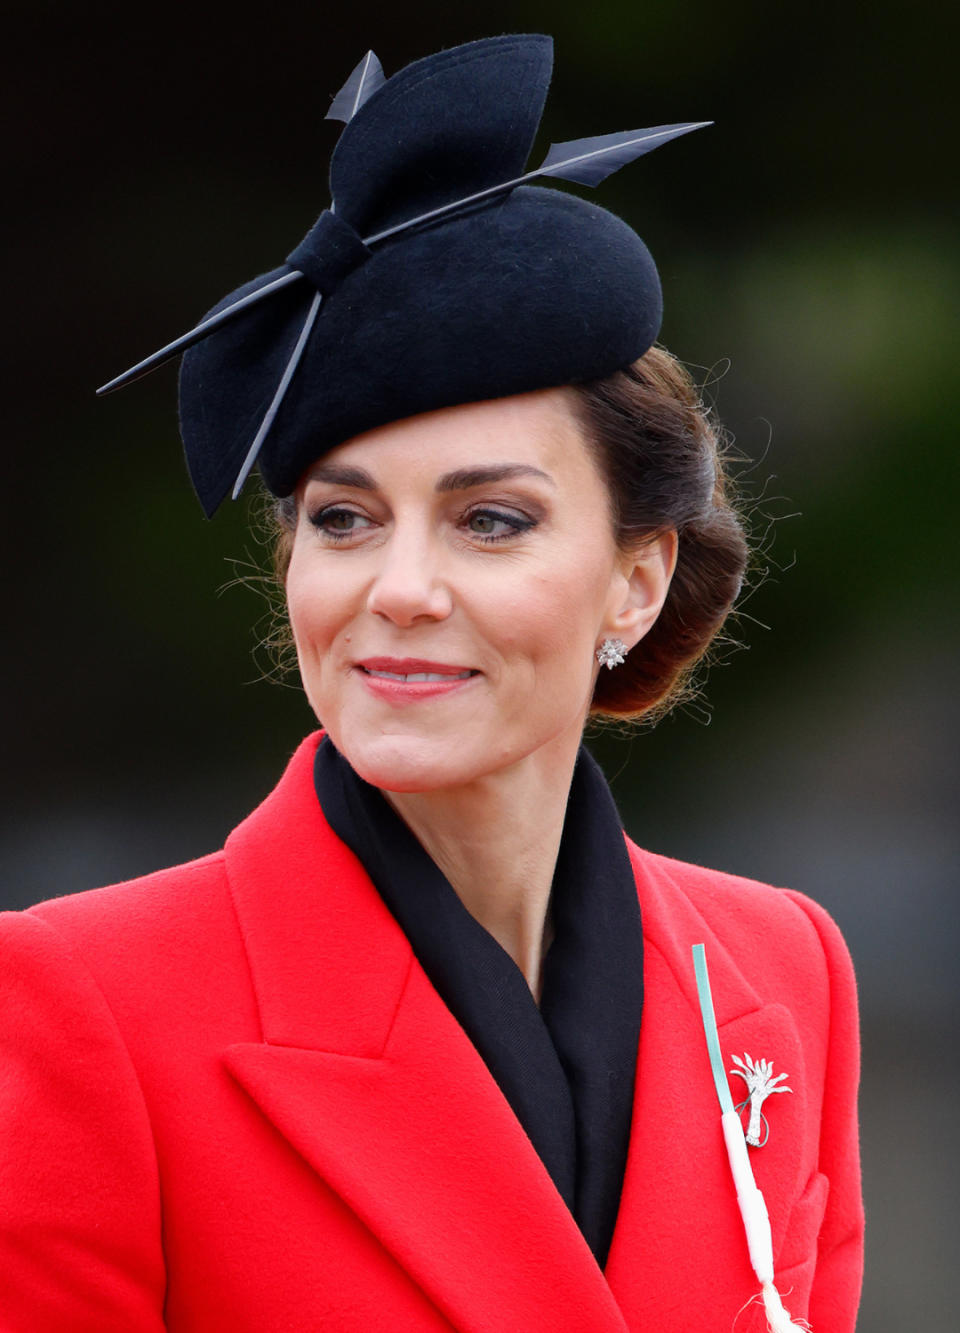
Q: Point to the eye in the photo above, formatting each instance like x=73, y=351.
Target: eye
x=495, y=525
x=338, y=523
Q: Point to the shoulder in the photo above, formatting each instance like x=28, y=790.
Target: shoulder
x=138, y=905
x=718, y=893
x=151, y=943
x=784, y=932
x=137, y=936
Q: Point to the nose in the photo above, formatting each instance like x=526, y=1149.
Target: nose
x=409, y=584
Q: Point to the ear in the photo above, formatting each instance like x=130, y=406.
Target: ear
x=646, y=574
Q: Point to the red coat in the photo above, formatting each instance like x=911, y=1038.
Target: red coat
x=231, y=1100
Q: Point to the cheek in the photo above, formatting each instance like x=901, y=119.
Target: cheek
x=552, y=621
x=300, y=610
x=312, y=610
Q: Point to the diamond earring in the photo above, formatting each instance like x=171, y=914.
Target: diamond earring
x=611, y=653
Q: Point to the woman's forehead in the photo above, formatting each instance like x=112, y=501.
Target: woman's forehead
x=526, y=434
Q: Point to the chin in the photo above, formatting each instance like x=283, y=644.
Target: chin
x=404, y=763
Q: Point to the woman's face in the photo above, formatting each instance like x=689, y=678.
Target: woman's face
x=451, y=578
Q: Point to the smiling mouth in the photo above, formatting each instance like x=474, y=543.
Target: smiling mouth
x=415, y=677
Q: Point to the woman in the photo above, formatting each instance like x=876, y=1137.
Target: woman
x=380, y=1063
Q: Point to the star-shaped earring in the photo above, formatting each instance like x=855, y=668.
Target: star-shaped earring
x=611, y=653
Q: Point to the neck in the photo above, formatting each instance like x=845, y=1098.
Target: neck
x=496, y=840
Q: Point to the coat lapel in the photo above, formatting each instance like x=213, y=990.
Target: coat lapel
x=366, y=1073
x=368, y=1076
x=679, y=1243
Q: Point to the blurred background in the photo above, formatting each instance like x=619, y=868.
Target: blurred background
x=158, y=157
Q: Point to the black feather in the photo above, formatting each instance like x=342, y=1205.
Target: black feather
x=279, y=395
x=362, y=83
x=201, y=331
x=589, y=161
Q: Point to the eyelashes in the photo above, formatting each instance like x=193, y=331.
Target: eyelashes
x=339, y=523
x=485, y=523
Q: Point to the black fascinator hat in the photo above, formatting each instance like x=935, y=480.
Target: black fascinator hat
x=438, y=276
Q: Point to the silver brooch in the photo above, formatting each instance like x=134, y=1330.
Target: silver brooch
x=761, y=1082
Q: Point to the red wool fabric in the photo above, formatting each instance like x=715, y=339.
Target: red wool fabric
x=231, y=1100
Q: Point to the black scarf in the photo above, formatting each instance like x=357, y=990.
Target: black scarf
x=567, y=1069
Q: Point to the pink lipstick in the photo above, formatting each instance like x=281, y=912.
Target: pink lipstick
x=407, y=679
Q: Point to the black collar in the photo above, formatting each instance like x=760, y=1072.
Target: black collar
x=567, y=1069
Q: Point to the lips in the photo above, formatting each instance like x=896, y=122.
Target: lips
x=410, y=670
x=420, y=676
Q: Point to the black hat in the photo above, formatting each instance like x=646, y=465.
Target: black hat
x=436, y=277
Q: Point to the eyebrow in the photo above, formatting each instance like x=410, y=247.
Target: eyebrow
x=337, y=474
x=464, y=478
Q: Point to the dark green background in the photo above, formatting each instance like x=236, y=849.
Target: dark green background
x=808, y=252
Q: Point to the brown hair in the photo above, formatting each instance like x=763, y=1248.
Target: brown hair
x=662, y=458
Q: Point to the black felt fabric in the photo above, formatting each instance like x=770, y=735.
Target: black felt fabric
x=330, y=250
x=535, y=289
x=567, y=1069
x=443, y=127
